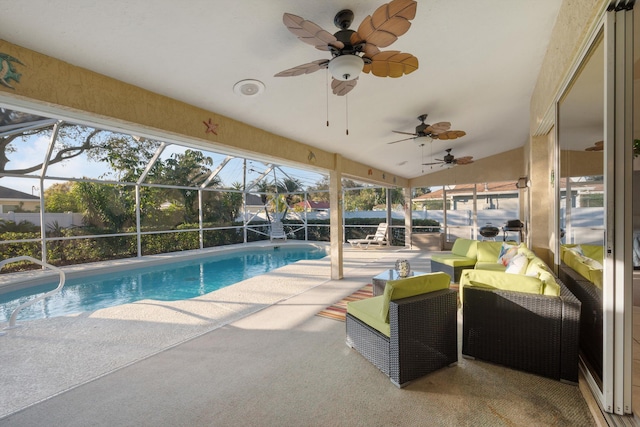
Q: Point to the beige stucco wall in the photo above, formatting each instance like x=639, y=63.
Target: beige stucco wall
x=53, y=86
x=576, y=19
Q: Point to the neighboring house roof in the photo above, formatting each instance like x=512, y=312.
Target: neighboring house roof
x=310, y=204
x=11, y=194
x=254, y=200
x=502, y=187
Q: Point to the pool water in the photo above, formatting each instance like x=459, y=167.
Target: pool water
x=170, y=282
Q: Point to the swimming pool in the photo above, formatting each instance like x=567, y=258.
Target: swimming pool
x=166, y=282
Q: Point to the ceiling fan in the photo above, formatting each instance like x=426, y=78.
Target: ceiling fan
x=438, y=130
x=597, y=146
x=449, y=159
x=355, y=51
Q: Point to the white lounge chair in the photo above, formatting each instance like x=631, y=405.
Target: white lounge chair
x=277, y=231
x=379, y=238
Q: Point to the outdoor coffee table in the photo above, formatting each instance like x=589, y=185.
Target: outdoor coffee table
x=381, y=279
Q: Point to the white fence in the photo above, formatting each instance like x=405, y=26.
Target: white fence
x=67, y=219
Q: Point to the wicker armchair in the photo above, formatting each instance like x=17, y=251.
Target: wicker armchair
x=423, y=336
x=529, y=332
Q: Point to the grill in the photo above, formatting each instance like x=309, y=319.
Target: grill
x=489, y=231
x=513, y=225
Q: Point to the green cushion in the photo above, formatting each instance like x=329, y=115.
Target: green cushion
x=489, y=251
x=368, y=310
x=536, y=266
x=454, y=260
x=551, y=287
x=594, y=252
x=581, y=266
x=522, y=249
x=465, y=247
x=411, y=286
x=590, y=251
x=595, y=276
x=499, y=280
x=493, y=266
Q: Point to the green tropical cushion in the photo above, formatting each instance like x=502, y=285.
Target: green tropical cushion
x=536, y=266
x=465, y=247
x=454, y=260
x=411, y=286
x=500, y=280
x=522, y=249
x=493, y=266
x=369, y=311
x=489, y=251
x=551, y=287
x=595, y=252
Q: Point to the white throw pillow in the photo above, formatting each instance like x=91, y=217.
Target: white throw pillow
x=593, y=263
x=517, y=265
x=577, y=249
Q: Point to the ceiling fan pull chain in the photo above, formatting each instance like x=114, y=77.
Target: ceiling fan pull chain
x=327, y=86
x=346, y=102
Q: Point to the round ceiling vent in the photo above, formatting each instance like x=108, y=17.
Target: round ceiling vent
x=248, y=87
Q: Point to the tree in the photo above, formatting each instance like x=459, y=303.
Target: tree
x=288, y=187
x=60, y=198
x=124, y=153
x=264, y=188
x=188, y=169
x=106, y=205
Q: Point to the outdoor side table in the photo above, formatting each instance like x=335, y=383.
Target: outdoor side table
x=381, y=279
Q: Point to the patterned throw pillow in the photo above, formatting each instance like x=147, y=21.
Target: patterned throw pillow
x=506, y=253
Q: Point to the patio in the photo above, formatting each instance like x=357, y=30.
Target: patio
x=253, y=354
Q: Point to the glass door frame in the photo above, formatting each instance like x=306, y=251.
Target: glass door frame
x=616, y=28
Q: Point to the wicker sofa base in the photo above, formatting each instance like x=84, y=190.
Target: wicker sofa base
x=532, y=333
x=454, y=272
x=591, y=321
x=423, y=337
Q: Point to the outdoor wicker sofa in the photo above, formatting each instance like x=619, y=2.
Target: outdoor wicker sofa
x=530, y=332
x=422, y=332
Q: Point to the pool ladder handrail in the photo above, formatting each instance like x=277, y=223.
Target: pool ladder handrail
x=14, y=314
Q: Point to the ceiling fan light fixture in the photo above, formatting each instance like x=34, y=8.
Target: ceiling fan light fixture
x=346, y=67
x=421, y=140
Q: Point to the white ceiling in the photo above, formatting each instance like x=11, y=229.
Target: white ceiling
x=479, y=61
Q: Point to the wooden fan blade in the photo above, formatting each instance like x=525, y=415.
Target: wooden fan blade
x=387, y=23
x=432, y=163
x=438, y=128
x=310, y=33
x=391, y=63
x=341, y=87
x=451, y=134
x=463, y=160
x=400, y=140
x=308, y=68
x=369, y=50
x=404, y=133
